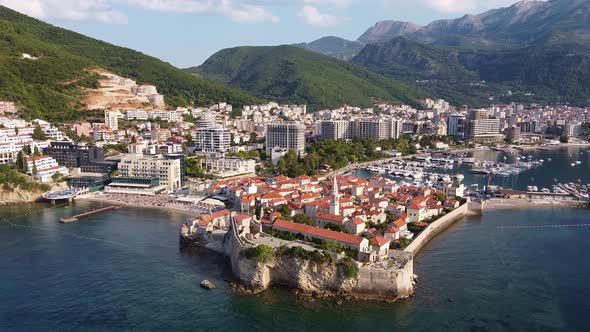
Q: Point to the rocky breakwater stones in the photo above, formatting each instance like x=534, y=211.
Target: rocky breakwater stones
x=207, y=284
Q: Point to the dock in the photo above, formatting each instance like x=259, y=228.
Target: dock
x=87, y=214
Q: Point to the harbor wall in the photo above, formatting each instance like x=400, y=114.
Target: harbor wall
x=436, y=227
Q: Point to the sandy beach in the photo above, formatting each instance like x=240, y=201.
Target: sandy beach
x=152, y=202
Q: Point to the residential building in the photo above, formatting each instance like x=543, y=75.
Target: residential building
x=214, y=140
x=456, y=125
x=285, y=135
x=167, y=171
x=111, y=119
x=44, y=167
x=88, y=158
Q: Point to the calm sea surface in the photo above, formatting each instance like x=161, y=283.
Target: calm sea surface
x=123, y=271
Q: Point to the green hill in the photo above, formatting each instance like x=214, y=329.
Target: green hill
x=49, y=87
x=295, y=75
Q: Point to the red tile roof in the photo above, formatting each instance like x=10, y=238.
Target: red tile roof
x=318, y=232
x=331, y=217
x=378, y=241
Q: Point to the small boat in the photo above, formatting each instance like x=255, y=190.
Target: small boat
x=578, y=162
x=573, y=164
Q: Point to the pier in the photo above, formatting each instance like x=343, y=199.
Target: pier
x=87, y=214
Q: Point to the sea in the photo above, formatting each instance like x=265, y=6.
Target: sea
x=123, y=271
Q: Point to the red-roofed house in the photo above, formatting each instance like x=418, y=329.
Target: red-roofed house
x=322, y=219
x=309, y=232
x=355, y=225
x=380, y=246
x=416, y=213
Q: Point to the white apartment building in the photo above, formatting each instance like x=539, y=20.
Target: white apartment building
x=170, y=116
x=285, y=135
x=44, y=167
x=212, y=140
x=168, y=171
x=229, y=166
x=111, y=119
x=137, y=115
x=53, y=134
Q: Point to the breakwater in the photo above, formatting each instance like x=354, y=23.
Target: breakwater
x=436, y=227
x=87, y=214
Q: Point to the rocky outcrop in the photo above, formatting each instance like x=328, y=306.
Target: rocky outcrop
x=18, y=195
x=380, y=281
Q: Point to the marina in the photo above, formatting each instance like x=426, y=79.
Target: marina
x=545, y=174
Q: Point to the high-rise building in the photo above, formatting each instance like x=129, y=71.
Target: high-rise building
x=334, y=130
x=111, y=119
x=512, y=134
x=456, y=125
x=212, y=140
x=481, y=129
x=285, y=135
x=572, y=129
x=376, y=128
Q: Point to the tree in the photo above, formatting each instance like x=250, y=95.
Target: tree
x=258, y=210
x=38, y=134
x=193, y=168
x=35, y=171
x=20, y=162
x=253, y=137
x=302, y=219
x=27, y=150
x=56, y=177
x=336, y=228
x=564, y=139
x=285, y=212
x=37, y=153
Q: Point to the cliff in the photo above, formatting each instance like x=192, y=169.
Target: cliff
x=18, y=195
x=325, y=274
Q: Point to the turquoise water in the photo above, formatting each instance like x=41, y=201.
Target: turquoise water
x=122, y=271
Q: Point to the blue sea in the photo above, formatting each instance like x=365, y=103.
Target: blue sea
x=123, y=271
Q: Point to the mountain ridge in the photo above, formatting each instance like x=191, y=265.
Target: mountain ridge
x=292, y=74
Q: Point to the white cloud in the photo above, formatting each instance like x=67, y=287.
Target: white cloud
x=104, y=10
x=97, y=10
x=310, y=15
x=465, y=6
x=313, y=12
x=240, y=11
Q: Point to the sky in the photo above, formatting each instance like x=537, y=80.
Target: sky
x=186, y=32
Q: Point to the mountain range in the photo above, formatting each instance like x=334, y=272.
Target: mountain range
x=532, y=51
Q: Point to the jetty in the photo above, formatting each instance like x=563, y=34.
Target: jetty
x=87, y=214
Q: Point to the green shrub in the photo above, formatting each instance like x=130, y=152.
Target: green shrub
x=259, y=254
x=349, y=268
